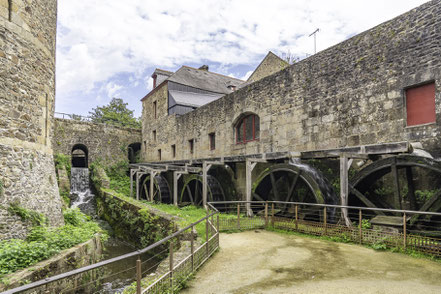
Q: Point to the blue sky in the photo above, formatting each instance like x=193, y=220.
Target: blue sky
x=110, y=48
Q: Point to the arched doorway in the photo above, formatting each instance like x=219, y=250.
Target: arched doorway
x=134, y=152
x=80, y=156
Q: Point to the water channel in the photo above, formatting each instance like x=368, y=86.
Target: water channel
x=116, y=276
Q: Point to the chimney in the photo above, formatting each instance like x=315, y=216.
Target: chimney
x=154, y=76
x=204, y=67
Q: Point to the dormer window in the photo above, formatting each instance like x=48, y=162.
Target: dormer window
x=247, y=129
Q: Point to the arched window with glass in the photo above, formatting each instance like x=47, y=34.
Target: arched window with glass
x=247, y=129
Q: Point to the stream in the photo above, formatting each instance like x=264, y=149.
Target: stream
x=116, y=276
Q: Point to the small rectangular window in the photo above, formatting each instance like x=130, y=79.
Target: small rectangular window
x=212, y=139
x=159, y=154
x=154, y=136
x=420, y=105
x=154, y=109
x=145, y=145
x=173, y=149
x=191, y=145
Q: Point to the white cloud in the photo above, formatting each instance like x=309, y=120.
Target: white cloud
x=112, y=89
x=247, y=75
x=99, y=39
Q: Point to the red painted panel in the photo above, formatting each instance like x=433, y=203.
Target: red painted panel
x=420, y=104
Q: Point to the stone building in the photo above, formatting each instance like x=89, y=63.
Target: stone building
x=375, y=94
x=27, y=96
x=380, y=86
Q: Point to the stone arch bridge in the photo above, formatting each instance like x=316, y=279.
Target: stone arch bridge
x=89, y=141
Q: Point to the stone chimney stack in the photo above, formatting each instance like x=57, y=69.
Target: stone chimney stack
x=204, y=67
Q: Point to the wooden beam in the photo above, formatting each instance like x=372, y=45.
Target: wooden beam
x=344, y=188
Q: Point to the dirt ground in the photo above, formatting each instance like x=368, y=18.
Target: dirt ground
x=267, y=262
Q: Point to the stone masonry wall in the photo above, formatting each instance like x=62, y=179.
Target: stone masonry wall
x=105, y=142
x=350, y=94
x=27, y=96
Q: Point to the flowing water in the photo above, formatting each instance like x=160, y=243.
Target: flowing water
x=116, y=276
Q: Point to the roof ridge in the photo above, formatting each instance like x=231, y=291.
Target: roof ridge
x=215, y=73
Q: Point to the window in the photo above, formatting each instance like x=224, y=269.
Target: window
x=154, y=109
x=191, y=145
x=159, y=154
x=420, y=105
x=154, y=136
x=212, y=138
x=145, y=146
x=248, y=129
x=173, y=149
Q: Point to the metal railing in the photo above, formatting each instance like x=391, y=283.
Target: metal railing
x=89, y=276
x=406, y=230
x=72, y=116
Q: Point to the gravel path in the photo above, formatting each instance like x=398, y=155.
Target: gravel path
x=267, y=262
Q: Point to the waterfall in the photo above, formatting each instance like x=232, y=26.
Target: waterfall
x=80, y=193
x=329, y=195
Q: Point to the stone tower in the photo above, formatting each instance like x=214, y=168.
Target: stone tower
x=27, y=96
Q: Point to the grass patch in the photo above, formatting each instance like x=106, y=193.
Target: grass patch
x=43, y=242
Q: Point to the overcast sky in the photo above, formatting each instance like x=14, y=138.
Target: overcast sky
x=110, y=48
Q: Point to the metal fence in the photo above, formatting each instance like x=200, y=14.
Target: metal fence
x=89, y=279
x=72, y=116
x=406, y=230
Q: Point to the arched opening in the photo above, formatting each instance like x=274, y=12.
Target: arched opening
x=247, y=128
x=134, y=151
x=80, y=156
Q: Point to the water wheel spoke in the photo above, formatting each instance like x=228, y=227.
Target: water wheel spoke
x=146, y=191
x=274, y=187
x=293, y=186
x=396, y=180
x=190, y=195
x=196, y=190
x=257, y=196
x=429, y=205
x=364, y=199
x=411, y=189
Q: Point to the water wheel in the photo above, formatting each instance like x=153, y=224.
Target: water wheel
x=399, y=182
x=295, y=183
x=191, y=191
x=161, y=189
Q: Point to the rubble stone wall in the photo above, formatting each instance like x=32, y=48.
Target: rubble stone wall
x=27, y=99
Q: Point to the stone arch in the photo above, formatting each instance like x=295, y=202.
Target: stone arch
x=80, y=156
x=133, y=152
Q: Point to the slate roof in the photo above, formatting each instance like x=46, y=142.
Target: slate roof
x=192, y=99
x=204, y=80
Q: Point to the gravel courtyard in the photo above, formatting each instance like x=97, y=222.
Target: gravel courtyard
x=268, y=262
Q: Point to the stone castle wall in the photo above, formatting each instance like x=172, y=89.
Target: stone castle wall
x=105, y=142
x=27, y=96
x=350, y=94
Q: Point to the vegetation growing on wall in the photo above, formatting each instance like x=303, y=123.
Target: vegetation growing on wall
x=115, y=113
x=63, y=161
x=36, y=218
x=44, y=242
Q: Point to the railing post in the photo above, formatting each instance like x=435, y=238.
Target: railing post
x=272, y=214
x=217, y=227
x=238, y=216
x=212, y=229
x=325, y=221
x=297, y=217
x=171, y=265
x=360, y=223
x=138, y=275
x=404, y=232
x=266, y=214
x=206, y=233
x=192, y=247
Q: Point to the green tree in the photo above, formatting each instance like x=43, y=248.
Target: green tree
x=115, y=113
